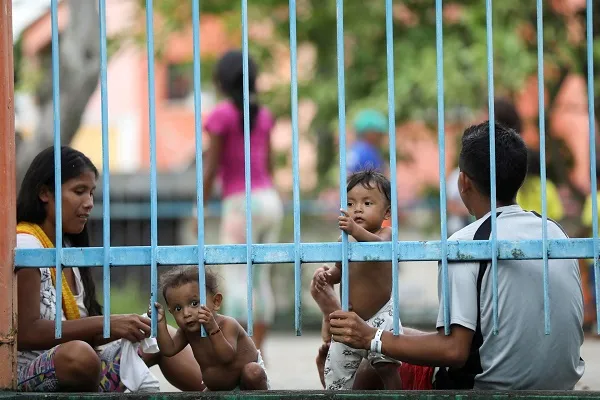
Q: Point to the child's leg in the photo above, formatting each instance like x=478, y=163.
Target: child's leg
x=326, y=299
x=253, y=377
x=367, y=377
x=325, y=327
x=389, y=374
x=328, y=302
x=380, y=376
x=320, y=360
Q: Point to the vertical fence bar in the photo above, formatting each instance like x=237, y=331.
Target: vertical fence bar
x=342, y=134
x=389, y=40
x=494, y=238
x=8, y=281
x=247, y=163
x=153, y=192
x=198, y=135
x=57, y=167
x=542, y=127
x=295, y=171
x=105, y=168
x=592, y=131
x=439, y=42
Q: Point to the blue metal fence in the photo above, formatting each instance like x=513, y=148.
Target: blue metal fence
x=298, y=252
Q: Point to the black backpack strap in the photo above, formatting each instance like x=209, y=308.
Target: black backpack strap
x=464, y=377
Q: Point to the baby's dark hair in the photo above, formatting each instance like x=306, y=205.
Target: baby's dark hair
x=369, y=177
x=180, y=276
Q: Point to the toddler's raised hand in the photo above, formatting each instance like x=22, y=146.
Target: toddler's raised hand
x=346, y=223
x=206, y=318
x=160, y=312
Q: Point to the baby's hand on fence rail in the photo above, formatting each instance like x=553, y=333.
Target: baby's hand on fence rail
x=160, y=312
x=206, y=318
x=130, y=327
x=346, y=223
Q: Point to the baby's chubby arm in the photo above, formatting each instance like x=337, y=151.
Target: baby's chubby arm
x=359, y=233
x=223, y=338
x=169, y=346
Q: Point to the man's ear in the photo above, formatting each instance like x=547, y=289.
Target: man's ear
x=465, y=184
x=45, y=194
x=217, y=300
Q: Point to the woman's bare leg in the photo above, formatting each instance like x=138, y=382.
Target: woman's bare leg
x=77, y=367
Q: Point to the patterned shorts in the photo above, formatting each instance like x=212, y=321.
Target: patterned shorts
x=40, y=375
x=342, y=361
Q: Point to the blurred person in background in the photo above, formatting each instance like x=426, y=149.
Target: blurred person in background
x=530, y=194
x=225, y=127
x=371, y=130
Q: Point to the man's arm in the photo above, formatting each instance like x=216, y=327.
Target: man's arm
x=413, y=332
x=434, y=349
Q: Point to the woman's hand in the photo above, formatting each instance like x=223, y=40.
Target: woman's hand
x=130, y=327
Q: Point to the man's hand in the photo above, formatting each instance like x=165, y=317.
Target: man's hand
x=206, y=318
x=346, y=223
x=350, y=329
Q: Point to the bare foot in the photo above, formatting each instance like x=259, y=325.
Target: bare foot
x=320, y=360
x=326, y=299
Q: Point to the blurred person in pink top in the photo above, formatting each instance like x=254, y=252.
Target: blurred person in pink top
x=225, y=126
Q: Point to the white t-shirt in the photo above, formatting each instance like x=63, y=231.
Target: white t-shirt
x=47, y=293
x=520, y=356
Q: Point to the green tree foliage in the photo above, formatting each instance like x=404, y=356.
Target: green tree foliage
x=465, y=52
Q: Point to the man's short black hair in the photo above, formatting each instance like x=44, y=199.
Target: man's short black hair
x=505, y=112
x=369, y=177
x=511, y=160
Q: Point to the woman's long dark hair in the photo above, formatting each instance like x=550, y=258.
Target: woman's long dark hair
x=229, y=77
x=31, y=209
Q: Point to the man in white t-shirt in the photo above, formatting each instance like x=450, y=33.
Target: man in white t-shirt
x=520, y=356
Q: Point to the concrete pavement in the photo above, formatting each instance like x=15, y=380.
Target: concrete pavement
x=290, y=362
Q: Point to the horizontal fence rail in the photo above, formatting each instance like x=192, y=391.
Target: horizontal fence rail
x=475, y=250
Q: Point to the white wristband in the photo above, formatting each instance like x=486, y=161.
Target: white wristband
x=376, y=342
